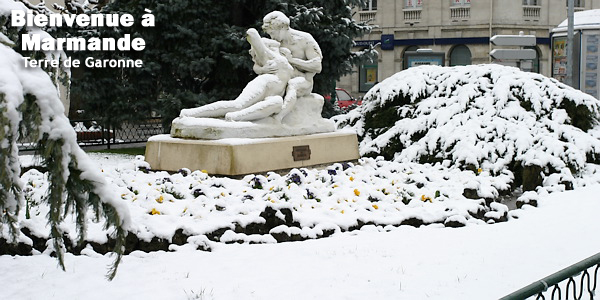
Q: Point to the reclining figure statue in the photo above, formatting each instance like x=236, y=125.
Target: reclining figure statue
x=278, y=102
x=263, y=96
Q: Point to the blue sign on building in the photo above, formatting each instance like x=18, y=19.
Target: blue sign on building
x=387, y=42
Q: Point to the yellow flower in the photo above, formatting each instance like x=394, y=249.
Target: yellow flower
x=479, y=171
x=375, y=206
x=342, y=211
x=356, y=192
x=223, y=194
x=160, y=199
x=425, y=199
x=204, y=171
x=155, y=212
x=351, y=178
x=271, y=188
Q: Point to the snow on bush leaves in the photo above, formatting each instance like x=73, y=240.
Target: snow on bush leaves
x=485, y=117
x=31, y=111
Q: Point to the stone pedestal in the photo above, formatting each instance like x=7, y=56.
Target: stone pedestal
x=239, y=156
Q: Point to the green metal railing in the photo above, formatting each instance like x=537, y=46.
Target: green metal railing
x=585, y=273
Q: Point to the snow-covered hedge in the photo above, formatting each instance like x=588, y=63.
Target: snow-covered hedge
x=484, y=118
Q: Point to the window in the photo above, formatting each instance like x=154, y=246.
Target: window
x=460, y=10
x=370, y=5
x=342, y=95
x=367, y=76
x=461, y=2
x=413, y=3
x=405, y=58
x=460, y=56
x=576, y=3
x=532, y=9
x=411, y=48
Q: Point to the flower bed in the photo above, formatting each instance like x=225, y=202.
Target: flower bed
x=199, y=209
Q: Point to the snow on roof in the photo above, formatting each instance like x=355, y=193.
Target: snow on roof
x=583, y=19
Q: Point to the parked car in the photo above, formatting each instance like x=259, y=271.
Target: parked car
x=344, y=100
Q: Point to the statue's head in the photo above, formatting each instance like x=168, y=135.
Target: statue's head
x=275, y=24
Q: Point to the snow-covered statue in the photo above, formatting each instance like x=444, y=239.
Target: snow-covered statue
x=262, y=96
x=278, y=102
x=305, y=56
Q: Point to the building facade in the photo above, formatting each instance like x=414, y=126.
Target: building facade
x=458, y=31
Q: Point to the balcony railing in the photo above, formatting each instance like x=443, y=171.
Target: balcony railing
x=412, y=15
x=367, y=15
x=460, y=13
x=531, y=12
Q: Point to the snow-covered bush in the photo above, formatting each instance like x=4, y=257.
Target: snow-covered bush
x=484, y=118
x=30, y=107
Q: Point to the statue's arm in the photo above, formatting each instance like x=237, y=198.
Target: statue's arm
x=269, y=68
x=258, y=69
x=263, y=54
x=313, y=60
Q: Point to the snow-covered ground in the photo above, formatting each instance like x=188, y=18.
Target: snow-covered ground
x=455, y=140
x=478, y=261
